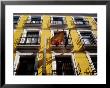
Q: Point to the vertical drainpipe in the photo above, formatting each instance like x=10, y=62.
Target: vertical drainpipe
x=43, y=56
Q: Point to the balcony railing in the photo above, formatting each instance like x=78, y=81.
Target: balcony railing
x=30, y=23
x=28, y=44
x=89, y=41
x=89, y=44
x=29, y=41
x=82, y=24
x=58, y=24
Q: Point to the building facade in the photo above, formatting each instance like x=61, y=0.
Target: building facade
x=35, y=54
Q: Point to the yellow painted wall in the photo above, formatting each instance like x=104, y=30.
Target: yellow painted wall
x=69, y=22
x=79, y=55
x=83, y=62
x=78, y=45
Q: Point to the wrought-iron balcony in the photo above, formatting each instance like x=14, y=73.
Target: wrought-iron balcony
x=58, y=22
x=29, y=43
x=88, y=40
x=89, y=43
x=81, y=22
x=34, y=21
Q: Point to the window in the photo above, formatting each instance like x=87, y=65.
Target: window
x=57, y=20
x=16, y=19
x=86, y=41
x=56, y=32
x=36, y=19
x=94, y=61
x=88, y=38
x=32, y=38
x=26, y=65
x=64, y=65
x=67, y=39
x=80, y=20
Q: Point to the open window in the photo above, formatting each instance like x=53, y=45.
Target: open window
x=67, y=38
x=64, y=65
x=26, y=65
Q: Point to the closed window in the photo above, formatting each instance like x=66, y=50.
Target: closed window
x=88, y=38
x=31, y=38
x=80, y=20
x=36, y=19
x=57, y=20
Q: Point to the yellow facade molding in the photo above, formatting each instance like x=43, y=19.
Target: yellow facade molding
x=77, y=44
x=92, y=22
x=22, y=21
x=70, y=22
x=46, y=22
x=19, y=29
x=49, y=63
x=82, y=62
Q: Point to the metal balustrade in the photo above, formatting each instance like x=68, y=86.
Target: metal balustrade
x=81, y=22
x=29, y=41
x=89, y=41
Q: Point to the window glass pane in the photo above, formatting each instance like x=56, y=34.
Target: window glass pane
x=35, y=18
x=28, y=40
x=34, y=40
x=22, y=40
x=16, y=18
x=79, y=22
x=86, y=41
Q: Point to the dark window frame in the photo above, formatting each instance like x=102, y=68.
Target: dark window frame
x=27, y=36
